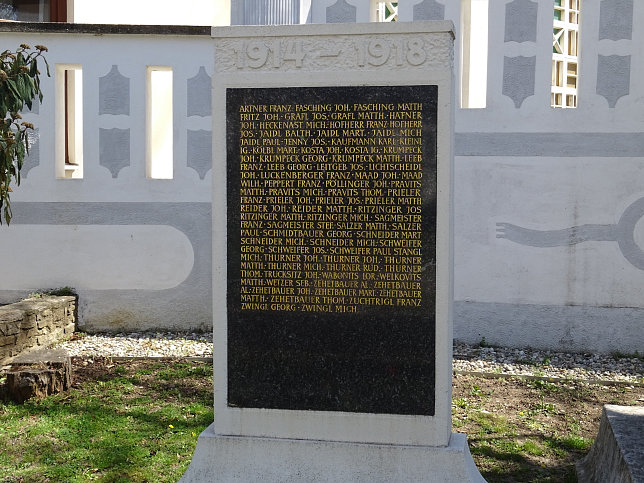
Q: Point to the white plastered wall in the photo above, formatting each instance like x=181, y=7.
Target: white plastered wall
x=150, y=12
x=547, y=200
x=134, y=248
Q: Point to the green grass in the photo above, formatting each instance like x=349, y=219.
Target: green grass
x=531, y=430
x=129, y=426
x=490, y=423
x=138, y=421
x=575, y=442
x=628, y=355
x=532, y=447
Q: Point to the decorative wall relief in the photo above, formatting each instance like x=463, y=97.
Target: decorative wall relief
x=373, y=52
x=114, y=93
x=265, y=12
x=521, y=21
x=519, y=78
x=114, y=149
x=429, y=10
x=199, y=95
x=35, y=108
x=33, y=158
x=341, y=12
x=200, y=151
x=623, y=233
x=616, y=19
x=613, y=77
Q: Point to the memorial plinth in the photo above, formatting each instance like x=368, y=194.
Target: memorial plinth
x=332, y=256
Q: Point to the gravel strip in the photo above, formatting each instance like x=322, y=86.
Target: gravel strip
x=143, y=344
x=549, y=364
x=467, y=358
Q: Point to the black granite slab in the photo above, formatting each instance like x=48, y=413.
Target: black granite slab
x=372, y=357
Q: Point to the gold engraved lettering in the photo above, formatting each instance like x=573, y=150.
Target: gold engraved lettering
x=330, y=200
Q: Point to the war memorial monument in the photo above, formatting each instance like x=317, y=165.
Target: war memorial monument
x=332, y=255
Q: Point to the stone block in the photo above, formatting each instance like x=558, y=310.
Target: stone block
x=43, y=313
x=9, y=315
x=28, y=322
x=617, y=455
x=38, y=374
x=5, y=354
x=220, y=458
x=10, y=328
x=58, y=316
x=44, y=340
x=6, y=340
x=23, y=340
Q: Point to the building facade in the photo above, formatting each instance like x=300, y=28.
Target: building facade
x=549, y=250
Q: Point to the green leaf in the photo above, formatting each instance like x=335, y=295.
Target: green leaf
x=19, y=87
x=13, y=88
x=22, y=88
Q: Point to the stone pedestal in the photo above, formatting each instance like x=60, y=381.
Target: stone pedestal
x=617, y=454
x=267, y=460
x=332, y=252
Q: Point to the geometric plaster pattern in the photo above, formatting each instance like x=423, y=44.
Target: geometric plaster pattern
x=114, y=93
x=429, y=10
x=35, y=107
x=623, y=233
x=341, y=12
x=193, y=219
x=200, y=151
x=613, y=77
x=199, y=94
x=519, y=78
x=114, y=149
x=33, y=158
x=616, y=19
x=521, y=21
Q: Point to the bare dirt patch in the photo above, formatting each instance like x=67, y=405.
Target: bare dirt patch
x=148, y=375
x=518, y=430
x=522, y=430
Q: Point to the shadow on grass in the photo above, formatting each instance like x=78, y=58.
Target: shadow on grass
x=110, y=427
x=502, y=459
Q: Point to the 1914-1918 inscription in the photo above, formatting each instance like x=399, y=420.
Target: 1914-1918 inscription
x=331, y=248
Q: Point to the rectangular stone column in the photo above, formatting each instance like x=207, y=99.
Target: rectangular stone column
x=333, y=256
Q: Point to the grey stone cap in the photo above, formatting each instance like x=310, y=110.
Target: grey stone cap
x=45, y=356
x=425, y=26
x=103, y=29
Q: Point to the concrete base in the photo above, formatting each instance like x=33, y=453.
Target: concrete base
x=617, y=455
x=249, y=459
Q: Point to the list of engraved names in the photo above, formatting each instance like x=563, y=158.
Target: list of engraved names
x=330, y=206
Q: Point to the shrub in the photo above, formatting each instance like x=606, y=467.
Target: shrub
x=19, y=87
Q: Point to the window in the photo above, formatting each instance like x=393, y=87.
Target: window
x=386, y=11
x=565, y=51
x=159, y=123
x=474, y=53
x=69, y=121
x=34, y=10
